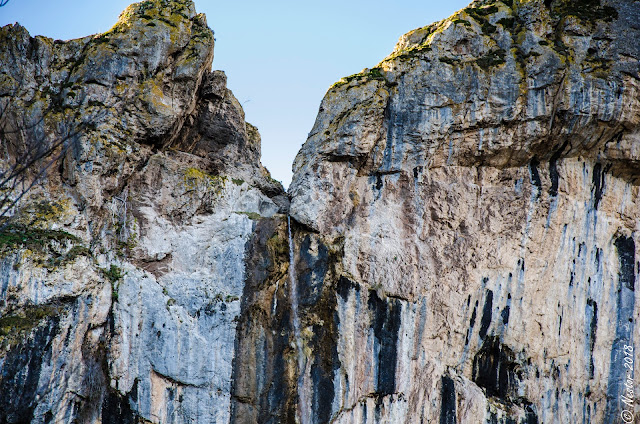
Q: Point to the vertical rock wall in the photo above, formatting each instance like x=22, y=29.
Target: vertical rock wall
x=122, y=273
x=465, y=224
x=479, y=192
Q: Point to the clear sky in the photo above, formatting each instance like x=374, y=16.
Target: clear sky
x=280, y=56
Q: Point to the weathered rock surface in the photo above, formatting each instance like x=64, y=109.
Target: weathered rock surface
x=471, y=209
x=122, y=273
x=465, y=220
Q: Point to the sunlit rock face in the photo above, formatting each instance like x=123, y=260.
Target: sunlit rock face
x=123, y=271
x=465, y=228
x=470, y=222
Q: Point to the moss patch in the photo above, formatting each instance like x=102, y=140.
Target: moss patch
x=113, y=274
x=507, y=22
x=375, y=73
x=371, y=74
x=14, y=236
x=226, y=298
x=493, y=58
x=598, y=67
x=14, y=327
x=480, y=15
x=461, y=22
x=69, y=257
x=40, y=214
x=449, y=60
x=195, y=179
x=52, y=248
x=588, y=11
x=481, y=12
x=278, y=248
x=417, y=51
x=252, y=215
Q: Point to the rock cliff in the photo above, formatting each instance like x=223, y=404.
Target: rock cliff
x=465, y=228
x=122, y=272
x=470, y=219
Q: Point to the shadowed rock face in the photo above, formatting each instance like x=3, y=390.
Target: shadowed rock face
x=465, y=222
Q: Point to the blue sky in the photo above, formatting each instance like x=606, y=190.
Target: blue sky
x=280, y=57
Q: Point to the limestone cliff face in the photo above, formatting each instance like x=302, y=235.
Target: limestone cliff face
x=470, y=210
x=121, y=274
x=465, y=228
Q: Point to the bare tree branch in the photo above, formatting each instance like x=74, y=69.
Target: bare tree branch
x=30, y=148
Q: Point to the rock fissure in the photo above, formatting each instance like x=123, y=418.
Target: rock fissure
x=387, y=285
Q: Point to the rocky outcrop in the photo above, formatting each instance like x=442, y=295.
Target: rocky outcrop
x=122, y=272
x=470, y=223
x=464, y=216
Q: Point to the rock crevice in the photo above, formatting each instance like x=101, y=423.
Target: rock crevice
x=464, y=226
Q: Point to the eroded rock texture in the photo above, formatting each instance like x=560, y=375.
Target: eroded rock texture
x=465, y=224
x=122, y=273
x=471, y=209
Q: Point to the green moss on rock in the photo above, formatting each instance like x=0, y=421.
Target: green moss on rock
x=449, y=60
x=587, y=11
x=417, y=51
x=278, y=247
x=461, y=22
x=15, y=326
x=113, y=273
x=507, y=23
x=493, y=58
x=14, y=236
x=252, y=215
x=370, y=74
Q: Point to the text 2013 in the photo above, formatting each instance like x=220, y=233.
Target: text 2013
x=627, y=397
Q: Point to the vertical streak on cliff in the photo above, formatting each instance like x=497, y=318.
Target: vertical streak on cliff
x=263, y=388
x=386, y=316
x=486, y=315
x=535, y=176
x=303, y=401
x=554, y=176
x=591, y=319
x=624, y=326
x=598, y=184
x=21, y=369
x=448, y=404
